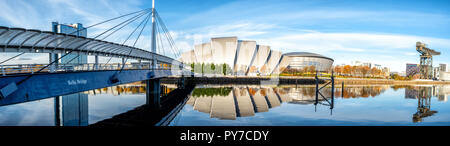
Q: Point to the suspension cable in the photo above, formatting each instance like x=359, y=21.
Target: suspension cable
x=128, y=22
x=137, y=39
x=158, y=26
x=12, y=57
x=168, y=35
x=29, y=76
x=161, y=47
x=131, y=34
x=137, y=16
x=87, y=28
x=111, y=20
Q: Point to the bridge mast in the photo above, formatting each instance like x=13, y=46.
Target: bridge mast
x=153, y=36
x=153, y=90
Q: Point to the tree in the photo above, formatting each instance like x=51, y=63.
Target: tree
x=365, y=70
x=338, y=70
x=347, y=69
x=374, y=71
x=203, y=65
x=224, y=69
x=312, y=69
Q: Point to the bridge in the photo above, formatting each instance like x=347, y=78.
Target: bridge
x=29, y=82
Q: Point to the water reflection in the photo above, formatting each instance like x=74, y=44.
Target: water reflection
x=355, y=105
x=228, y=103
x=79, y=109
x=248, y=105
x=423, y=94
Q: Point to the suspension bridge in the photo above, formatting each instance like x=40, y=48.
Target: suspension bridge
x=29, y=82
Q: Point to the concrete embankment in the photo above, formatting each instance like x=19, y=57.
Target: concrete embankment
x=245, y=80
x=145, y=115
x=297, y=80
x=386, y=82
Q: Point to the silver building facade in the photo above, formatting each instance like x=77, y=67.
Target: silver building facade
x=247, y=58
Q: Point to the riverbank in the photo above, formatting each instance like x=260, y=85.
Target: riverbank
x=387, y=82
x=245, y=80
x=298, y=80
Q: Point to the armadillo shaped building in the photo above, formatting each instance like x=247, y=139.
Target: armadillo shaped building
x=247, y=58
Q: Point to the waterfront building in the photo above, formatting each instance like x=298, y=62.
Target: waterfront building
x=247, y=58
x=436, y=71
x=300, y=60
x=387, y=71
x=377, y=66
x=360, y=63
x=71, y=29
x=443, y=67
x=441, y=73
x=403, y=74
x=444, y=76
x=412, y=69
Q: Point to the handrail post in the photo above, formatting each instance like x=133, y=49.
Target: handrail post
x=3, y=70
x=332, y=90
x=317, y=90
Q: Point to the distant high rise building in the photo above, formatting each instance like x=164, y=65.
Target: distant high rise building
x=377, y=66
x=359, y=63
x=411, y=69
x=356, y=63
x=386, y=71
x=72, y=29
x=443, y=67
x=436, y=71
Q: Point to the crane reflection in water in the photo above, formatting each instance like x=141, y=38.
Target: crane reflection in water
x=423, y=96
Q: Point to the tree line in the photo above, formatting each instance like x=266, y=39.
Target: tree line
x=211, y=68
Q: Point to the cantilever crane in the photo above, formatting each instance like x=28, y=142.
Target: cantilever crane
x=426, y=60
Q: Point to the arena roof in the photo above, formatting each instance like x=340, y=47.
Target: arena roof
x=306, y=54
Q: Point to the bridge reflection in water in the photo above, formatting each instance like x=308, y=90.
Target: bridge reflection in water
x=234, y=102
x=73, y=108
x=228, y=103
x=79, y=109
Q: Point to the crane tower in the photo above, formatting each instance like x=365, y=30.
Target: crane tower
x=426, y=60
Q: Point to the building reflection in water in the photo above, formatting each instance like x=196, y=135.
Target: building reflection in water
x=228, y=103
x=423, y=94
x=72, y=110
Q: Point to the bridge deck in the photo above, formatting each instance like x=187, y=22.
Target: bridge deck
x=45, y=85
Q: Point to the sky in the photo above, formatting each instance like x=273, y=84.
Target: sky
x=380, y=31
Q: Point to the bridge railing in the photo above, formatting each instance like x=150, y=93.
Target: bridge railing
x=32, y=68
